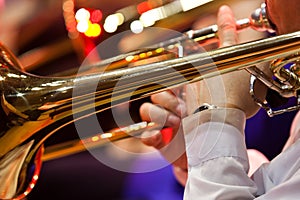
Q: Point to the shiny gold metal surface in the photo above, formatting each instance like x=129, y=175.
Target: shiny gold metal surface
x=33, y=108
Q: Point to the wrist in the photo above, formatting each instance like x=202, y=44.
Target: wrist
x=195, y=104
x=227, y=115
x=207, y=106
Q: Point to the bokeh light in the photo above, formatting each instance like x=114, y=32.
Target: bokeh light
x=96, y=16
x=94, y=30
x=82, y=15
x=136, y=26
x=82, y=26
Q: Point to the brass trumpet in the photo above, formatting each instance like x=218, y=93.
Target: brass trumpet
x=33, y=108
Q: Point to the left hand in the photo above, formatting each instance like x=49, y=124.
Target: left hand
x=230, y=90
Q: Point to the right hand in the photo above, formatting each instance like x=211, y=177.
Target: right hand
x=166, y=109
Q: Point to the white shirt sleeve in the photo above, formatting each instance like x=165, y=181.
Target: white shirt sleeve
x=218, y=162
x=217, y=156
x=280, y=179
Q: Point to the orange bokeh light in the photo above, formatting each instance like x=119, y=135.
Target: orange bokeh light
x=143, y=7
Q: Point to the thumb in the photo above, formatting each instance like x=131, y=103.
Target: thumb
x=227, y=27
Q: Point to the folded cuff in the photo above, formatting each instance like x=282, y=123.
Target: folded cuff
x=215, y=133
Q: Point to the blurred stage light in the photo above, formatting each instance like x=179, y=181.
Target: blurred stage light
x=110, y=28
x=94, y=30
x=190, y=4
x=82, y=26
x=143, y=7
x=147, y=19
x=113, y=21
x=136, y=26
x=87, y=22
x=151, y=16
x=82, y=15
x=96, y=16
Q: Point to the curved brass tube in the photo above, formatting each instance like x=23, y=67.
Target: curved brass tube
x=33, y=108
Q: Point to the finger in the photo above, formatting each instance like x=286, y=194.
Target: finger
x=153, y=138
x=227, y=27
x=170, y=102
x=153, y=113
x=173, y=152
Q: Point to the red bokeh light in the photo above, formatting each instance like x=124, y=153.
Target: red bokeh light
x=143, y=7
x=96, y=16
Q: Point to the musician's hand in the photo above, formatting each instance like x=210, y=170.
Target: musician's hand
x=284, y=14
x=166, y=109
x=228, y=90
x=171, y=109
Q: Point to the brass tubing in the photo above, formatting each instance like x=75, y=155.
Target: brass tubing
x=240, y=56
x=37, y=107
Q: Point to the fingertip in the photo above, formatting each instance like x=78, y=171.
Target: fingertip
x=225, y=8
x=143, y=110
x=226, y=18
x=155, y=98
x=227, y=26
x=151, y=138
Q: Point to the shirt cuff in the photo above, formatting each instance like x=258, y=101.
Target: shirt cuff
x=215, y=133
